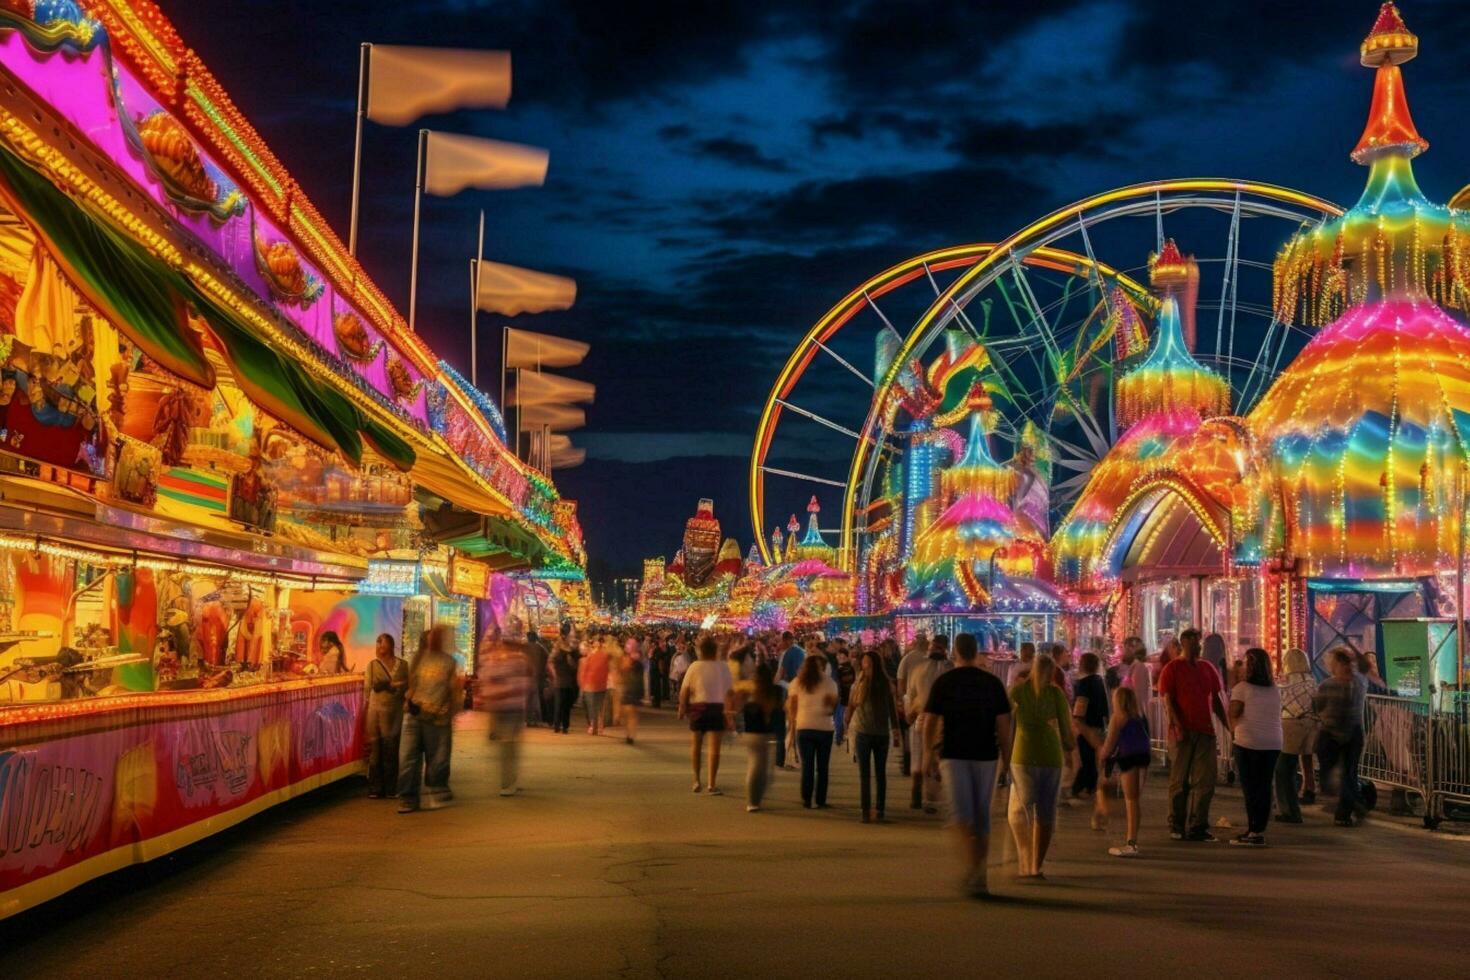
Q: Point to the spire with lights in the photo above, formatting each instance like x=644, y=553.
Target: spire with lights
x=1394, y=243
x=1170, y=379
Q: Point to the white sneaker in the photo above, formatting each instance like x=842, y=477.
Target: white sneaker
x=752, y=808
x=510, y=792
x=1128, y=850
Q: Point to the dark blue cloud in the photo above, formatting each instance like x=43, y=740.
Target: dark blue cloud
x=722, y=173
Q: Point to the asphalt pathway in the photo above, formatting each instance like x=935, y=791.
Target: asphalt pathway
x=606, y=865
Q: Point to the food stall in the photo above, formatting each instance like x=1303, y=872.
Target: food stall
x=218, y=442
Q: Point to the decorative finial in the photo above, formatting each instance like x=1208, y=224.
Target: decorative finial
x=1390, y=42
x=1390, y=129
x=813, y=507
x=1168, y=265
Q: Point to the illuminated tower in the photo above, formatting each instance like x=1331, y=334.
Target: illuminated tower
x=1176, y=275
x=1366, y=427
x=1170, y=379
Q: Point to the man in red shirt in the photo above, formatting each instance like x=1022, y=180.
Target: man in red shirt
x=1191, y=689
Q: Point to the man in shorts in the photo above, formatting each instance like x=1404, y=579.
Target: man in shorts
x=968, y=721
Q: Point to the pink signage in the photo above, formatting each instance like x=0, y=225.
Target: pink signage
x=88, y=788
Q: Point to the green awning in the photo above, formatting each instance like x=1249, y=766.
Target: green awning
x=147, y=300
x=128, y=286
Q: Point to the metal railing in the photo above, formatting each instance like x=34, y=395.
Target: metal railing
x=1158, y=733
x=1420, y=748
x=1408, y=745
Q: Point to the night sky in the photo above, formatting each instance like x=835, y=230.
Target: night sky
x=722, y=173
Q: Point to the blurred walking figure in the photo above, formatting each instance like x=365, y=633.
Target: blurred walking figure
x=1135, y=673
x=386, y=679
x=704, y=697
x=434, y=693
x=917, y=653
x=810, y=706
x=759, y=709
x=1339, y=702
x=791, y=657
x=1191, y=689
x=630, y=679
x=594, y=676
x=1298, y=738
x=538, y=708
x=563, y=669
x=873, y=720
x=1128, y=751
x=968, y=717
x=505, y=679
x=1255, y=726
x=921, y=678
x=1043, y=735
x=1090, y=715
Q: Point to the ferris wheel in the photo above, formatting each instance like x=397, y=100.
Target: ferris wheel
x=1046, y=305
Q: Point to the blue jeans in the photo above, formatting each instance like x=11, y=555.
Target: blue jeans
x=815, y=749
x=837, y=722
x=872, y=751
x=594, y=702
x=970, y=784
x=1347, y=752
x=422, y=745
x=778, y=731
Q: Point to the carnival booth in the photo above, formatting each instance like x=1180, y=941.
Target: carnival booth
x=219, y=447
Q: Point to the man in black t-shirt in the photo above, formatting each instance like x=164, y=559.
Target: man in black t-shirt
x=969, y=728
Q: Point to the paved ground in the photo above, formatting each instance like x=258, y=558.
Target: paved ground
x=606, y=865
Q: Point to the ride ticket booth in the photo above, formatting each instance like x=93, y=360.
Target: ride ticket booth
x=1419, y=657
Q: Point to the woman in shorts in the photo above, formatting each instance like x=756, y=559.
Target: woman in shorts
x=1043, y=725
x=703, y=698
x=1127, y=748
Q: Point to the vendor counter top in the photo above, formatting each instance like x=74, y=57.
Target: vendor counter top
x=29, y=723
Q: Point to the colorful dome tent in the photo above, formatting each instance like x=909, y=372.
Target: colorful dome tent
x=1163, y=402
x=1365, y=431
x=1343, y=471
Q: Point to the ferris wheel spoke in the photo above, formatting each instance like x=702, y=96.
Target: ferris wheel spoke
x=959, y=311
x=1232, y=273
x=881, y=315
x=845, y=363
x=834, y=426
x=1038, y=319
x=803, y=476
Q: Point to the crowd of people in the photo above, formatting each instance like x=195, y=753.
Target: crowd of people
x=960, y=722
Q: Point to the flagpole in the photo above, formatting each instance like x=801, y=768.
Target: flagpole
x=362, y=84
x=504, y=356
x=475, y=306
x=418, y=197
x=520, y=411
x=474, y=325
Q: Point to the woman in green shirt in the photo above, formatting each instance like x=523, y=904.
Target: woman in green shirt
x=1043, y=728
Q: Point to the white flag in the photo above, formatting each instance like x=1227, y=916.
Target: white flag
x=564, y=455
x=510, y=290
x=527, y=349
x=559, y=418
x=539, y=388
x=406, y=82
x=455, y=162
